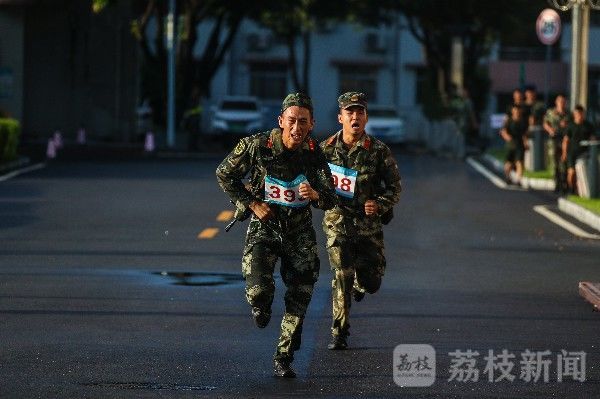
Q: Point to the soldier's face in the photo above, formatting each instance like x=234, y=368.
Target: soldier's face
x=295, y=123
x=561, y=102
x=353, y=119
x=530, y=95
x=517, y=97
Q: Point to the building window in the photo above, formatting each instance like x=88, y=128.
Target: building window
x=422, y=84
x=359, y=78
x=268, y=81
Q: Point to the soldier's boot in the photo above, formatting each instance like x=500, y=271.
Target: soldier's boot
x=261, y=316
x=283, y=368
x=338, y=342
x=358, y=293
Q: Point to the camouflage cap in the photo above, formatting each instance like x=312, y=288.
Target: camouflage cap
x=352, y=98
x=298, y=99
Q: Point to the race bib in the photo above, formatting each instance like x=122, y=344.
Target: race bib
x=285, y=193
x=344, y=180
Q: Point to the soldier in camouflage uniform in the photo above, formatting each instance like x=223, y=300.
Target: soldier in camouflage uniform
x=555, y=123
x=368, y=185
x=288, y=173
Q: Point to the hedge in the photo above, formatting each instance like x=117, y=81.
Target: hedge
x=10, y=129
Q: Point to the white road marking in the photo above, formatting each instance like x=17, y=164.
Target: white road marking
x=18, y=172
x=570, y=227
x=498, y=182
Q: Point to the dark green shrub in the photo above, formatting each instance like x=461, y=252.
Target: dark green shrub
x=10, y=129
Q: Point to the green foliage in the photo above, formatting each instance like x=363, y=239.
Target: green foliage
x=540, y=174
x=10, y=129
x=592, y=204
x=99, y=5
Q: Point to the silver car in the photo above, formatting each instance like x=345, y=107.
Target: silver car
x=237, y=115
x=385, y=124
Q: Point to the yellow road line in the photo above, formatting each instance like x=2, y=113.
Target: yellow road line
x=210, y=232
x=225, y=216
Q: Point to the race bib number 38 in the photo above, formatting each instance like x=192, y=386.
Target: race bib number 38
x=285, y=193
x=344, y=180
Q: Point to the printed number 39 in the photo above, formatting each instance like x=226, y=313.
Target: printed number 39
x=288, y=195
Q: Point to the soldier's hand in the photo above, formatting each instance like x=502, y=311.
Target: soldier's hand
x=371, y=207
x=307, y=192
x=261, y=210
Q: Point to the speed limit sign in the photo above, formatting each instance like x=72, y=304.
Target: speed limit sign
x=547, y=26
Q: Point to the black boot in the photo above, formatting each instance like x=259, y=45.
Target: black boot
x=261, y=317
x=357, y=295
x=338, y=342
x=282, y=368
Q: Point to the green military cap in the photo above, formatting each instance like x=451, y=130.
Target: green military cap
x=298, y=99
x=352, y=98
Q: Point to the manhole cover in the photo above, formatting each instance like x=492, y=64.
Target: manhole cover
x=151, y=386
x=201, y=279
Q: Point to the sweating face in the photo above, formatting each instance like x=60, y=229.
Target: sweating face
x=295, y=123
x=353, y=119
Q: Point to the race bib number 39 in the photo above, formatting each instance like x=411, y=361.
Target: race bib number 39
x=344, y=180
x=285, y=193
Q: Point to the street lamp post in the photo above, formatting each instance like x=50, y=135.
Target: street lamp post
x=580, y=28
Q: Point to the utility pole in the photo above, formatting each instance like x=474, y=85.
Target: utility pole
x=171, y=75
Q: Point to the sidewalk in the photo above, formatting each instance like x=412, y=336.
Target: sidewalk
x=569, y=207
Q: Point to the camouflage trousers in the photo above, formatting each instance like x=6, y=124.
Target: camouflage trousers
x=358, y=262
x=296, y=246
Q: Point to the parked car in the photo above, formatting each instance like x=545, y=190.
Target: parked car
x=237, y=116
x=385, y=124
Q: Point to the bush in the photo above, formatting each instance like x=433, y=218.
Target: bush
x=10, y=129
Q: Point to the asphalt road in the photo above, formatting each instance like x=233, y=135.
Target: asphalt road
x=85, y=311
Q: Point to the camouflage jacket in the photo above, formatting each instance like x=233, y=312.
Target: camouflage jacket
x=553, y=118
x=263, y=154
x=378, y=177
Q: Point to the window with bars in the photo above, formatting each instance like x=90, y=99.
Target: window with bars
x=268, y=81
x=359, y=78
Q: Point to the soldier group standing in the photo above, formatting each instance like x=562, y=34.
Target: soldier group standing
x=288, y=171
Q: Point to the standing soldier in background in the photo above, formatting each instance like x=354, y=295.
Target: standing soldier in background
x=514, y=133
x=517, y=99
x=288, y=173
x=578, y=130
x=555, y=122
x=368, y=185
x=534, y=109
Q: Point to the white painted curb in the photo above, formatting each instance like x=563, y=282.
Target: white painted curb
x=526, y=182
x=580, y=213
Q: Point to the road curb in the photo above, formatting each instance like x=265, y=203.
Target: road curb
x=526, y=182
x=580, y=213
x=16, y=164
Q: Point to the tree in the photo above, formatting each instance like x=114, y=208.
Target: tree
x=194, y=74
x=479, y=24
x=296, y=20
